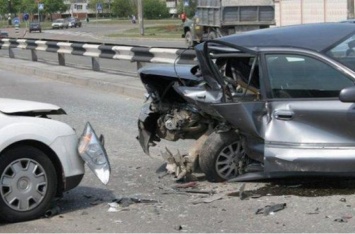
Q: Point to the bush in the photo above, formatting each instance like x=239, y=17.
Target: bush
x=155, y=9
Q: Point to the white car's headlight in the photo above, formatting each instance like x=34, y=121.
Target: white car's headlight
x=93, y=152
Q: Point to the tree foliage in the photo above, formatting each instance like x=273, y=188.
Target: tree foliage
x=28, y=6
x=152, y=9
x=123, y=8
x=51, y=6
x=9, y=6
x=155, y=9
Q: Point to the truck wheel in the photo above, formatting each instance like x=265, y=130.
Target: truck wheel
x=212, y=35
x=220, y=155
x=188, y=39
x=28, y=184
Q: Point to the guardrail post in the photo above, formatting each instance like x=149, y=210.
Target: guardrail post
x=11, y=53
x=61, y=59
x=34, y=55
x=95, y=64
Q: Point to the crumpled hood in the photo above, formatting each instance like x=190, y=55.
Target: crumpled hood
x=22, y=107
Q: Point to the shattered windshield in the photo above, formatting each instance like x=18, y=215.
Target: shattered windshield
x=344, y=52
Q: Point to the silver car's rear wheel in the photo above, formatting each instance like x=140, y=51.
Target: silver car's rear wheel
x=227, y=160
x=220, y=156
x=28, y=183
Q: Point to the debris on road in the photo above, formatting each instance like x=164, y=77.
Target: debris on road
x=342, y=200
x=209, y=192
x=209, y=199
x=270, y=209
x=178, y=227
x=343, y=219
x=316, y=211
x=242, y=194
x=180, y=165
x=184, y=188
x=123, y=202
x=52, y=212
x=192, y=184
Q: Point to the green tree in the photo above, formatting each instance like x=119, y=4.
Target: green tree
x=28, y=6
x=189, y=10
x=7, y=6
x=50, y=7
x=123, y=8
x=155, y=9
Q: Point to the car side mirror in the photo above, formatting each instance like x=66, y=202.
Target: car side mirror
x=347, y=94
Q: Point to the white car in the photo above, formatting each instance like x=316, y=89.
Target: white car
x=40, y=158
x=60, y=23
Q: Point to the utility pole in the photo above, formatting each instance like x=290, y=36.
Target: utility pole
x=9, y=9
x=350, y=6
x=140, y=17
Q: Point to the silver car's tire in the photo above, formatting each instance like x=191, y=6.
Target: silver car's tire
x=220, y=155
x=28, y=184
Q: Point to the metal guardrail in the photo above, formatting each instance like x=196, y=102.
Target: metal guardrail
x=138, y=54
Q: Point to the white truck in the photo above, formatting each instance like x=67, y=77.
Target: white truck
x=216, y=18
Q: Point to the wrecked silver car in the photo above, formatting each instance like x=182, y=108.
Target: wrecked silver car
x=269, y=103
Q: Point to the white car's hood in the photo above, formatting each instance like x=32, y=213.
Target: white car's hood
x=14, y=106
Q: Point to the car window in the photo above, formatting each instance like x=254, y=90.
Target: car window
x=295, y=76
x=344, y=52
x=241, y=78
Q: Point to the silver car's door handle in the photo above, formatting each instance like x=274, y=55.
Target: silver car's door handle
x=283, y=114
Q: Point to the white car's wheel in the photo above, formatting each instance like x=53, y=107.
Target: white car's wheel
x=28, y=184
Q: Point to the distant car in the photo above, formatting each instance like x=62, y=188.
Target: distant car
x=74, y=22
x=35, y=26
x=41, y=158
x=60, y=23
x=4, y=34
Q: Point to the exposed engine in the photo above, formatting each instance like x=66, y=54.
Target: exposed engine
x=182, y=122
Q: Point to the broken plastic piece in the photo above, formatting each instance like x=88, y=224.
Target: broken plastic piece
x=186, y=185
x=52, y=212
x=271, y=208
x=127, y=201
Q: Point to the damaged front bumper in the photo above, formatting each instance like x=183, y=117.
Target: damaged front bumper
x=92, y=151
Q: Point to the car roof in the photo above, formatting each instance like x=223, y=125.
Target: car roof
x=318, y=37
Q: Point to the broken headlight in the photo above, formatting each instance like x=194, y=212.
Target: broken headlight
x=93, y=152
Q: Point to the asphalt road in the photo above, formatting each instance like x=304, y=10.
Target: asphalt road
x=317, y=206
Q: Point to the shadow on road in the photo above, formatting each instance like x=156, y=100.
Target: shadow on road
x=83, y=197
x=307, y=187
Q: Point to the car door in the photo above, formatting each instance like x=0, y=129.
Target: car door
x=303, y=124
x=309, y=128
